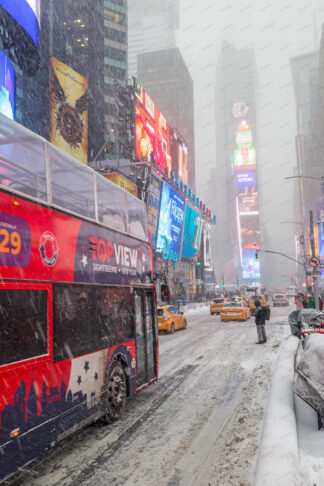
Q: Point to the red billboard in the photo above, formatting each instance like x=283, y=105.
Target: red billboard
x=152, y=135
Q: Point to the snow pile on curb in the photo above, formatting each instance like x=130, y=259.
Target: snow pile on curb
x=278, y=460
x=198, y=309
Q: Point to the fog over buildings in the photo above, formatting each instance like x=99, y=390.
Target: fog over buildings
x=276, y=31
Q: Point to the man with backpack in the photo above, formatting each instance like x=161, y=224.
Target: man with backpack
x=261, y=314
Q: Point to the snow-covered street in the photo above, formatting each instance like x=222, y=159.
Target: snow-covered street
x=200, y=424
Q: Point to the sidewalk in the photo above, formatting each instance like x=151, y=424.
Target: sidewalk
x=291, y=450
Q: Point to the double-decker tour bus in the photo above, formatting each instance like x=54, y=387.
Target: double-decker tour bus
x=78, y=329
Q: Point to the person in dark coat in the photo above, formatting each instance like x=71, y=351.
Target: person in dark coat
x=260, y=319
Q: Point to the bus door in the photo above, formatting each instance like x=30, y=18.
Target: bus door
x=146, y=345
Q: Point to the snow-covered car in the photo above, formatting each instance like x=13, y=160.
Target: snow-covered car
x=280, y=300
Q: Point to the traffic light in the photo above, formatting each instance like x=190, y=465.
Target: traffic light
x=198, y=260
x=257, y=255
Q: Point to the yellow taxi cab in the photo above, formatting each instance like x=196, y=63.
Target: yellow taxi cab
x=217, y=305
x=252, y=300
x=170, y=319
x=235, y=311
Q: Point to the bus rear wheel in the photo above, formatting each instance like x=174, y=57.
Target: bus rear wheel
x=116, y=391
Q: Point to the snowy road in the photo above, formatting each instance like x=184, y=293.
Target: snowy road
x=199, y=425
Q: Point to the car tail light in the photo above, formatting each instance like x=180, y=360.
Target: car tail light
x=165, y=316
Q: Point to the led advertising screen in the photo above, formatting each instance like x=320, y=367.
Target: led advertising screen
x=191, y=233
x=69, y=110
x=244, y=137
x=24, y=12
x=244, y=158
x=7, y=87
x=171, y=221
x=153, y=207
x=251, y=266
x=245, y=179
x=248, y=204
x=250, y=239
x=152, y=132
x=179, y=157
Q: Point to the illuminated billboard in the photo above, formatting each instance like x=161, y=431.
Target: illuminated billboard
x=69, y=110
x=24, y=12
x=152, y=132
x=245, y=179
x=251, y=266
x=244, y=158
x=121, y=181
x=153, y=207
x=171, y=220
x=179, y=157
x=7, y=87
x=248, y=203
x=191, y=233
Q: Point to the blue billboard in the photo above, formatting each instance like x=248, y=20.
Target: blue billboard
x=7, y=87
x=245, y=179
x=251, y=266
x=170, y=223
x=191, y=233
x=23, y=11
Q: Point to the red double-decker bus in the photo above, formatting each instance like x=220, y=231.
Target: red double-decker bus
x=78, y=330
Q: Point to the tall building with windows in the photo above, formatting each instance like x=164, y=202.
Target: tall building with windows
x=152, y=27
x=235, y=174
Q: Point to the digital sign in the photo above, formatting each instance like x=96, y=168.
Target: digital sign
x=245, y=179
x=244, y=157
x=248, y=203
x=171, y=221
x=24, y=12
x=191, y=233
x=152, y=132
x=69, y=110
x=179, y=157
x=153, y=207
x=251, y=266
x=7, y=87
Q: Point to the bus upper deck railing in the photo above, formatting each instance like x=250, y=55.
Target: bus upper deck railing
x=31, y=166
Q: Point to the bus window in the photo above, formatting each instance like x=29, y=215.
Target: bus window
x=136, y=217
x=88, y=318
x=72, y=185
x=74, y=321
x=23, y=325
x=111, y=205
x=115, y=314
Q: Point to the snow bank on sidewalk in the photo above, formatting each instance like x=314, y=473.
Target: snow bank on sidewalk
x=278, y=461
x=197, y=309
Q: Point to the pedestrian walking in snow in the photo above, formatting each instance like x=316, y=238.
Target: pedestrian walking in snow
x=299, y=301
x=260, y=318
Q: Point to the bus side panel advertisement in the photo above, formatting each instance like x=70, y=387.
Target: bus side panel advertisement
x=191, y=233
x=69, y=110
x=170, y=223
x=153, y=207
x=91, y=253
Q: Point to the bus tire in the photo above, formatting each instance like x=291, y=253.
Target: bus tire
x=116, y=396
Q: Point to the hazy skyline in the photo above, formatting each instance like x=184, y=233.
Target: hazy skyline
x=277, y=31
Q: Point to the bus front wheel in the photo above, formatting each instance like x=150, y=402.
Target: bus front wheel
x=116, y=391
